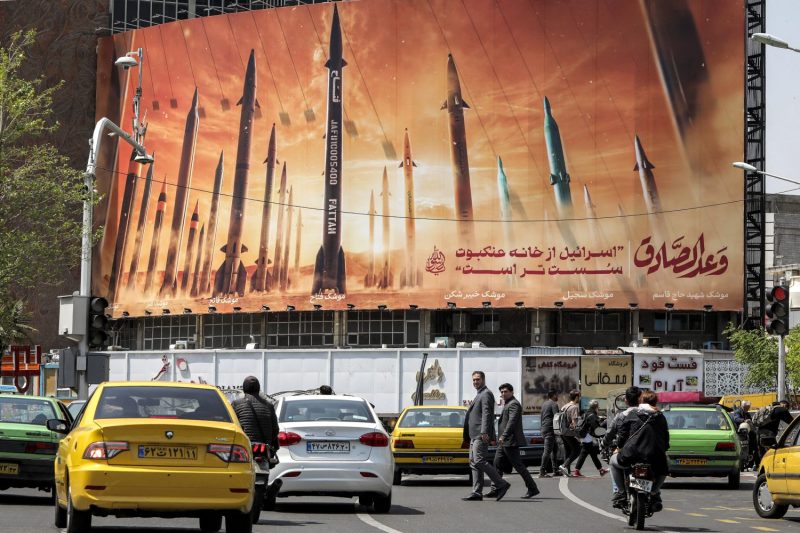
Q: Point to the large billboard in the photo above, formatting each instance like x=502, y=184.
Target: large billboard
x=396, y=152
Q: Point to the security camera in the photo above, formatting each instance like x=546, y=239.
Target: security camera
x=126, y=62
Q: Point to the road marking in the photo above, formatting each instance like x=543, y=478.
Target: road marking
x=697, y=514
x=760, y=528
x=367, y=519
x=726, y=521
x=672, y=509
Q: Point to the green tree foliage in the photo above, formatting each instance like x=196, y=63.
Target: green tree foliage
x=40, y=194
x=759, y=351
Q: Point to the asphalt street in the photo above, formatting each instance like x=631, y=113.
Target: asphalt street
x=433, y=503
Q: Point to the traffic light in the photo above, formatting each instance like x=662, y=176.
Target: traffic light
x=777, y=321
x=98, y=323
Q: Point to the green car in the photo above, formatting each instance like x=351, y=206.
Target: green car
x=702, y=443
x=27, y=447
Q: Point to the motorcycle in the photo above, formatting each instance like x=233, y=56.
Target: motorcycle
x=265, y=492
x=746, y=433
x=640, y=504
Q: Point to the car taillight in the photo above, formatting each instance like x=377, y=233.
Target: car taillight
x=48, y=448
x=641, y=471
x=230, y=453
x=287, y=438
x=376, y=439
x=105, y=449
x=404, y=443
x=537, y=440
x=725, y=446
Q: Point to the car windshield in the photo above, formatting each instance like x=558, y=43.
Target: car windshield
x=24, y=411
x=325, y=409
x=161, y=402
x=433, y=418
x=700, y=419
x=531, y=423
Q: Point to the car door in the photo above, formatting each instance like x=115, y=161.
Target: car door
x=791, y=457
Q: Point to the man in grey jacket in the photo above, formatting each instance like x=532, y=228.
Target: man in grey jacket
x=479, y=431
x=510, y=438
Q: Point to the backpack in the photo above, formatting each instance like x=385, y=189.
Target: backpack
x=641, y=439
x=763, y=416
x=561, y=423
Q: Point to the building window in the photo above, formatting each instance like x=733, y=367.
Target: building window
x=231, y=330
x=161, y=331
x=125, y=334
x=680, y=322
x=296, y=329
x=376, y=328
x=593, y=321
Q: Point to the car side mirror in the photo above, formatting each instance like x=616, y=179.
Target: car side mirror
x=768, y=442
x=59, y=426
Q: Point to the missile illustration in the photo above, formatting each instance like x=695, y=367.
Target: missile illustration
x=505, y=210
x=369, y=279
x=155, y=240
x=385, y=278
x=169, y=283
x=137, y=245
x=648, y=181
x=259, y=281
x=459, y=160
x=124, y=223
x=329, y=266
x=231, y=277
x=285, y=261
x=559, y=178
x=190, y=246
x=276, y=259
x=196, y=275
x=591, y=214
x=210, y=243
x=297, y=244
x=410, y=277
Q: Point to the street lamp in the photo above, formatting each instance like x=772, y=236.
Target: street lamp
x=750, y=168
x=771, y=40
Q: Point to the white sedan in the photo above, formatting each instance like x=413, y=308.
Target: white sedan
x=333, y=446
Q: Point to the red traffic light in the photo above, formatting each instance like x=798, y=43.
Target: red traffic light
x=779, y=293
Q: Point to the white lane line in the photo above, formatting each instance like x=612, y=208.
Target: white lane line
x=367, y=519
x=563, y=487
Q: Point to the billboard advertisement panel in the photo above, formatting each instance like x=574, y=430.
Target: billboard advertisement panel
x=540, y=374
x=395, y=152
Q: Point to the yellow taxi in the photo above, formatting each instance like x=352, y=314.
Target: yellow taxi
x=778, y=483
x=154, y=449
x=430, y=440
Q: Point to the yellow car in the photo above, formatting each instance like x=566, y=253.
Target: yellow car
x=778, y=483
x=154, y=449
x=429, y=440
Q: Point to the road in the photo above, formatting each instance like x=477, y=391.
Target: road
x=427, y=503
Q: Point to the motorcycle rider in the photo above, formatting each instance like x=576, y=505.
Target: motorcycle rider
x=256, y=415
x=651, y=447
x=609, y=440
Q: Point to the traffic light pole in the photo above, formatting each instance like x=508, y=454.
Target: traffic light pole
x=781, y=369
x=86, y=238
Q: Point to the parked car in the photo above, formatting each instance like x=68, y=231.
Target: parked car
x=531, y=453
x=154, y=449
x=430, y=440
x=333, y=446
x=27, y=447
x=703, y=442
x=778, y=483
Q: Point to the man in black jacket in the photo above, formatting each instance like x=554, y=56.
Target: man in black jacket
x=650, y=446
x=256, y=415
x=510, y=437
x=549, y=410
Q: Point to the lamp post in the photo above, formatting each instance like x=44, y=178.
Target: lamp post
x=771, y=40
x=89, y=177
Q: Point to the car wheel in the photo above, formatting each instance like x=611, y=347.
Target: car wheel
x=397, y=479
x=60, y=518
x=270, y=500
x=733, y=480
x=382, y=504
x=51, y=497
x=258, y=503
x=210, y=523
x=77, y=521
x=762, y=500
x=366, y=500
x=238, y=523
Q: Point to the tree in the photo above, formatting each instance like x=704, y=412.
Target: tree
x=40, y=194
x=759, y=351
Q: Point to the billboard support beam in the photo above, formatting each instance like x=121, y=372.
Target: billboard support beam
x=754, y=154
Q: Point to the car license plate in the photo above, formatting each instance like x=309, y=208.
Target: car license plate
x=327, y=446
x=642, y=484
x=9, y=469
x=691, y=461
x=437, y=459
x=181, y=453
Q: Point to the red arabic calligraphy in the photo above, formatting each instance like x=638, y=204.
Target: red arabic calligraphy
x=435, y=263
x=687, y=262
